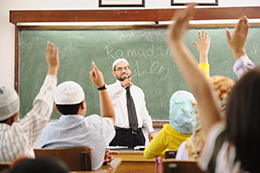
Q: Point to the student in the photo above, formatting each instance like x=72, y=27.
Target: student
x=127, y=133
x=182, y=116
x=73, y=129
x=17, y=138
x=39, y=165
x=230, y=146
x=192, y=147
x=168, y=137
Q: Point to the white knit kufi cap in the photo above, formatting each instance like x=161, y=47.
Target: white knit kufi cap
x=68, y=93
x=9, y=102
x=119, y=60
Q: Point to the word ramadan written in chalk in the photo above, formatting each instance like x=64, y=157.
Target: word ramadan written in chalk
x=149, y=53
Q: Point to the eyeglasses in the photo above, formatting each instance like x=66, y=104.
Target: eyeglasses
x=121, y=68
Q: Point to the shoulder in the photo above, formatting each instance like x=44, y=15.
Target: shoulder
x=216, y=138
x=98, y=120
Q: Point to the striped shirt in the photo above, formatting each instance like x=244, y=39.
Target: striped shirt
x=17, y=140
x=78, y=131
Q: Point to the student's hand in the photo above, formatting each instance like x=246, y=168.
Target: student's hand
x=203, y=46
x=238, y=39
x=178, y=29
x=96, y=76
x=108, y=156
x=151, y=136
x=52, y=58
x=127, y=82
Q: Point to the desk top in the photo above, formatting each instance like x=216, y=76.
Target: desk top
x=111, y=168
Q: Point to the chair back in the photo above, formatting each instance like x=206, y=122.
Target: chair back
x=170, y=154
x=76, y=159
x=4, y=166
x=181, y=166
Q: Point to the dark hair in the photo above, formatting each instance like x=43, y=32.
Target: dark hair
x=39, y=165
x=243, y=120
x=69, y=109
x=4, y=121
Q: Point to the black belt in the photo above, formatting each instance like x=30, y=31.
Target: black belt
x=138, y=130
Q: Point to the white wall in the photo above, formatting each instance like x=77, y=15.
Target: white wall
x=7, y=29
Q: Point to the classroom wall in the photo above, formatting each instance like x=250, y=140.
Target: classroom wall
x=7, y=29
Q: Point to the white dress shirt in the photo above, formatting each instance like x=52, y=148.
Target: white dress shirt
x=118, y=97
x=17, y=140
x=78, y=131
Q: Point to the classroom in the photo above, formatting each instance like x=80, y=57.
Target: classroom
x=156, y=69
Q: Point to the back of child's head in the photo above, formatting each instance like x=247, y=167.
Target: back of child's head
x=243, y=120
x=68, y=97
x=38, y=165
x=183, y=112
x=9, y=103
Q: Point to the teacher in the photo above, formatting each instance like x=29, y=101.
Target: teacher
x=130, y=108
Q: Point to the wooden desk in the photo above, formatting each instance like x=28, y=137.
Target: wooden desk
x=4, y=166
x=111, y=168
x=134, y=161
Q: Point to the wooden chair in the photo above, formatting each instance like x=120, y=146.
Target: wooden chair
x=4, y=166
x=170, y=154
x=77, y=159
x=180, y=166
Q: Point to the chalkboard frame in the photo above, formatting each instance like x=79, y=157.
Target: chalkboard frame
x=155, y=15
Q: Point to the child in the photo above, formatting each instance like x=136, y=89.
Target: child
x=183, y=116
x=230, y=146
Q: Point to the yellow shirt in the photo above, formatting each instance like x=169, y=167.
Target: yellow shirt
x=204, y=67
x=167, y=138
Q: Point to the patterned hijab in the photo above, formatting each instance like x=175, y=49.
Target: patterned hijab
x=194, y=144
x=183, y=112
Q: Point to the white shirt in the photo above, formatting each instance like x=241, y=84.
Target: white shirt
x=17, y=140
x=78, y=131
x=118, y=97
x=242, y=65
x=181, y=153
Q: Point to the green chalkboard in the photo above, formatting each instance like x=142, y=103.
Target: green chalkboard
x=150, y=59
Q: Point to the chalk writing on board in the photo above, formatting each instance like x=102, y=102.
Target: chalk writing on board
x=155, y=69
x=254, y=49
x=149, y=35
x=138, y=52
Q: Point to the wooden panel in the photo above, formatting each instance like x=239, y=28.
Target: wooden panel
x=112, y=167
x=72, y=157
x=18, y=16
x=134, y=161
x=214, y=13
x=4, y=166
x=180, y=166
x=81, y=15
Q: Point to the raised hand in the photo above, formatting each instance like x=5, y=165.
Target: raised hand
x=176, y=32
x=203, y=46
x=238, y=39
x=52, y=58
x=96, y=76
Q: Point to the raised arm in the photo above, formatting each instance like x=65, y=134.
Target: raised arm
x=187, y=66
x=52, y=58
x=203, y=46
x=238, y=39
x=106, y=106
x=237, y=44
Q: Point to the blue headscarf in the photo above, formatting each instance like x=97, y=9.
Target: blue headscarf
x=183, y=112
